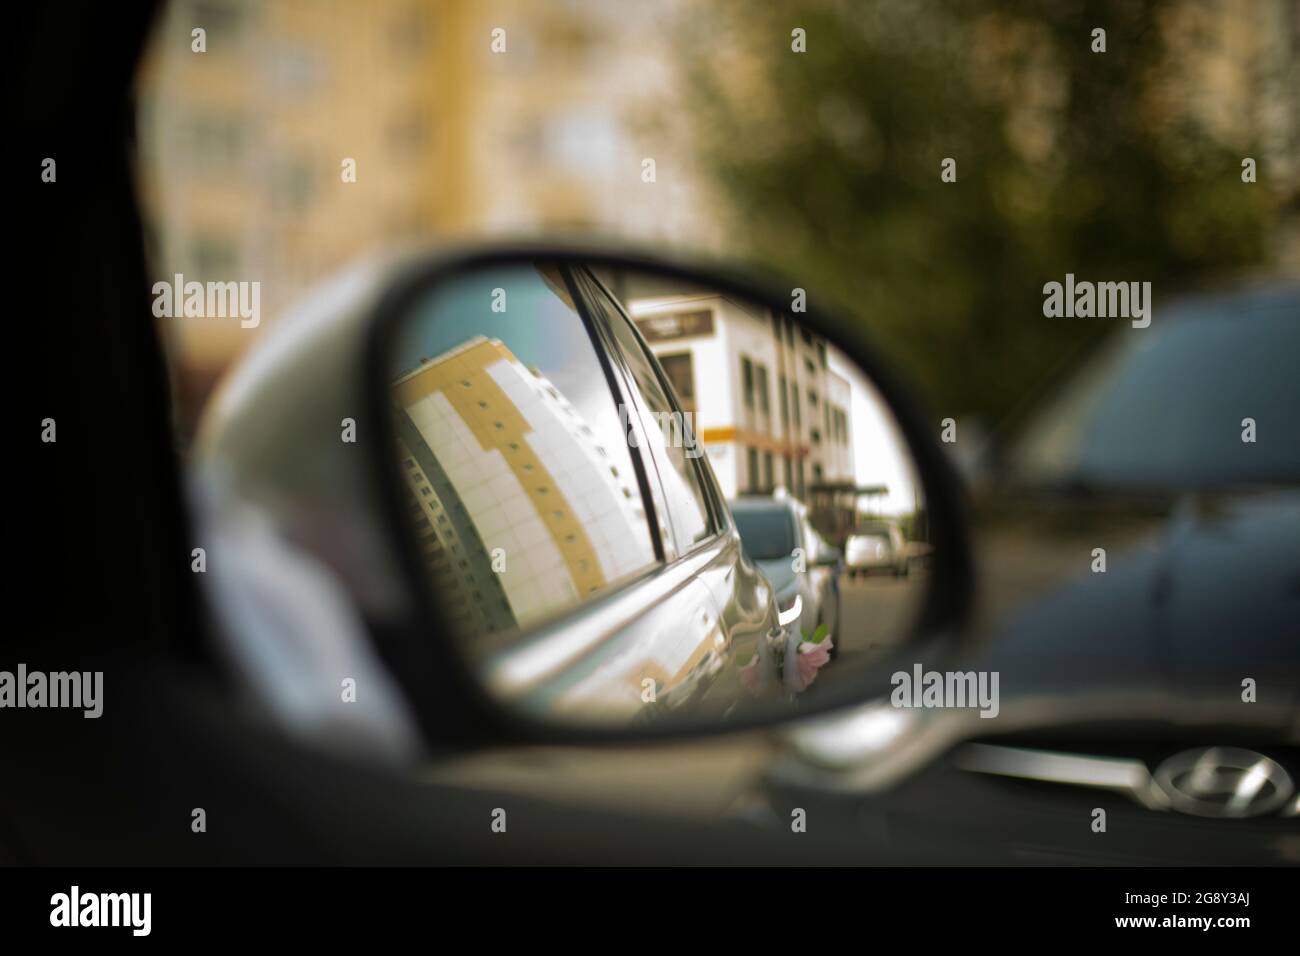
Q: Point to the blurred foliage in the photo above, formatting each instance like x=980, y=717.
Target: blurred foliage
x=1067, y=161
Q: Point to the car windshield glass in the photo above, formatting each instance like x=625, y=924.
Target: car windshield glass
x=1202, y=399
x=766, y=533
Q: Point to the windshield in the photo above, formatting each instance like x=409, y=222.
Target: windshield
x=1202, y=399
x=766, y=533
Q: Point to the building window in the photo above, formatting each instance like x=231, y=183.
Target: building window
x=678, y=369
x=213, y=256
x=409, y=35
x=408, y=132
x=292, y=186
x=219, y=18
x=751, y=455
x=747, y=381
x=215, y=141
x=768, y=475
x=785, y=403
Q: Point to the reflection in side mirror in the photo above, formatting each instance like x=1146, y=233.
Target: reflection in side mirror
x=829, y=557
x=641, y=499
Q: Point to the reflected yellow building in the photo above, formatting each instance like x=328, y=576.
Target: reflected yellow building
x=518, y=498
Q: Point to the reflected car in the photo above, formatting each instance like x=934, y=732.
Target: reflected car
x=879, y=547
x=800, y=566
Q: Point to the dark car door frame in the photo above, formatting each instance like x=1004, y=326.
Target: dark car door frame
x=719, y=515
x=743, y=597
x=616, y=380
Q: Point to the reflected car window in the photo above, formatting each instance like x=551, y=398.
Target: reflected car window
x=670, y=434
x=522, y=490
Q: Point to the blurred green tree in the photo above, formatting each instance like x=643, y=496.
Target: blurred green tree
x=1067, y=160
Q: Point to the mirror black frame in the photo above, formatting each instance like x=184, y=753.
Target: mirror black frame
x=440, y=686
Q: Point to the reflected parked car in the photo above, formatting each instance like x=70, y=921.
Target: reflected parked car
x=802, y=568
x=879, y=547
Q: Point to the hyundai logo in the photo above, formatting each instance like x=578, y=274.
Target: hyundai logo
x=1223, y=782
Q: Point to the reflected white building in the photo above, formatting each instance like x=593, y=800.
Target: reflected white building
x=765, y=403
x=529, y=511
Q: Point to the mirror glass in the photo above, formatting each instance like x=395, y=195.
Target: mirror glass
x=645, y=499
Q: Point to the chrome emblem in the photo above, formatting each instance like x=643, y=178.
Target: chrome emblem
x=1223, y=782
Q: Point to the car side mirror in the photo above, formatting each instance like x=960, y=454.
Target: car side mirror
x=572, y=431
x=573, y=510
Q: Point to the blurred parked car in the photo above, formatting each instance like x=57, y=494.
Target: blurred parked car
x=1139, y=551
x=801, y=567
x=878, y=547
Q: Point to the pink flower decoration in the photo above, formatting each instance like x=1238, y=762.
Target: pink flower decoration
x=812, y=658
x=749, y=676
